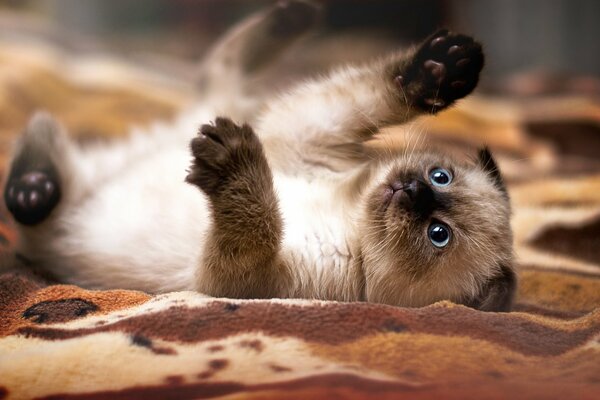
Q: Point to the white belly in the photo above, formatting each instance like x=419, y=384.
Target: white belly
x=142, y=230
x=145, y=228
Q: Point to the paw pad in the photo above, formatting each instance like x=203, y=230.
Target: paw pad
x=445, y=68
x=451, y=65
x=32, y=196
x=223, y=151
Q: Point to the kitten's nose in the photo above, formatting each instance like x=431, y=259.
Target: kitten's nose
x=416, y=196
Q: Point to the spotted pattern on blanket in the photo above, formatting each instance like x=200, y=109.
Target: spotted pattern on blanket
x=61, y=341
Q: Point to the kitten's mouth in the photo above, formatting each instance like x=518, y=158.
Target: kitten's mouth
x=413, y=196
x=397, y=193
x=388, y=193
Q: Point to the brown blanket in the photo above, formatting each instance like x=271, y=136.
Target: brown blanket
x=59, y=341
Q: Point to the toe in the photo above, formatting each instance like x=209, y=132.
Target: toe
x=436, y=69
x=34, y=199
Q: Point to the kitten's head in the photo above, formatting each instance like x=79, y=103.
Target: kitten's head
x=439, y=229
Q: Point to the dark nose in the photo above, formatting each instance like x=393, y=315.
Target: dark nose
x=416, y=196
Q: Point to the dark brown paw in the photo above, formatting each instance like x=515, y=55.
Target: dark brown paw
x=31, y=196
x=445, y=68
x=223, y=152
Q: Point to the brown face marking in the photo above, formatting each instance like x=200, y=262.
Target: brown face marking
x=53, y=311
x=405, y=208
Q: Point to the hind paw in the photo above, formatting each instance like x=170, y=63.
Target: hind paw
x=31, y=196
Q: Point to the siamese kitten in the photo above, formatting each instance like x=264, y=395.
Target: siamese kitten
x=295, y=206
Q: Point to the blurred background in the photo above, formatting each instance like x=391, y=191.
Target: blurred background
x=554, y=38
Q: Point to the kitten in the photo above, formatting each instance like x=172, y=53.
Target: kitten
x=297, y=207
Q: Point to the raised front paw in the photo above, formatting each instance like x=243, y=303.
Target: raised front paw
x=224, y=152
x=444, y=68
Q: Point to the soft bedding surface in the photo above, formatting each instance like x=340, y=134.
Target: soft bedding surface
x=59, y=341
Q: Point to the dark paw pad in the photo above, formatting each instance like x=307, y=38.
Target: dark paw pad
x=32, y=196
x=221, y=152
x=445, y=68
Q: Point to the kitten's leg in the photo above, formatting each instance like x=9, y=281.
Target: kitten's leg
x=225, y=75
x=34, y=183
x=342, y=110
x=240, y=257
x=257, y=40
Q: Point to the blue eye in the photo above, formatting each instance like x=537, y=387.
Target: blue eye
x=439, y=234
x=440, y=177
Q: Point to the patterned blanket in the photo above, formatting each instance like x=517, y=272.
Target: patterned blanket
x=59, y=341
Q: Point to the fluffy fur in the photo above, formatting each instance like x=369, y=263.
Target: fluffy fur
x=297, y=207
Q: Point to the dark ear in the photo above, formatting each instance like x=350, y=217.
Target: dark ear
x=487, y=162
x=498, y=293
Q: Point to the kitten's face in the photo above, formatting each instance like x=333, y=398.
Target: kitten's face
x=435, y=229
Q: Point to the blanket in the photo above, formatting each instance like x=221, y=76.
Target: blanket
x=65, y=342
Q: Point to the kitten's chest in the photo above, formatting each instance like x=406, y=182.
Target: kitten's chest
x=317, y=229
x=311, y=212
